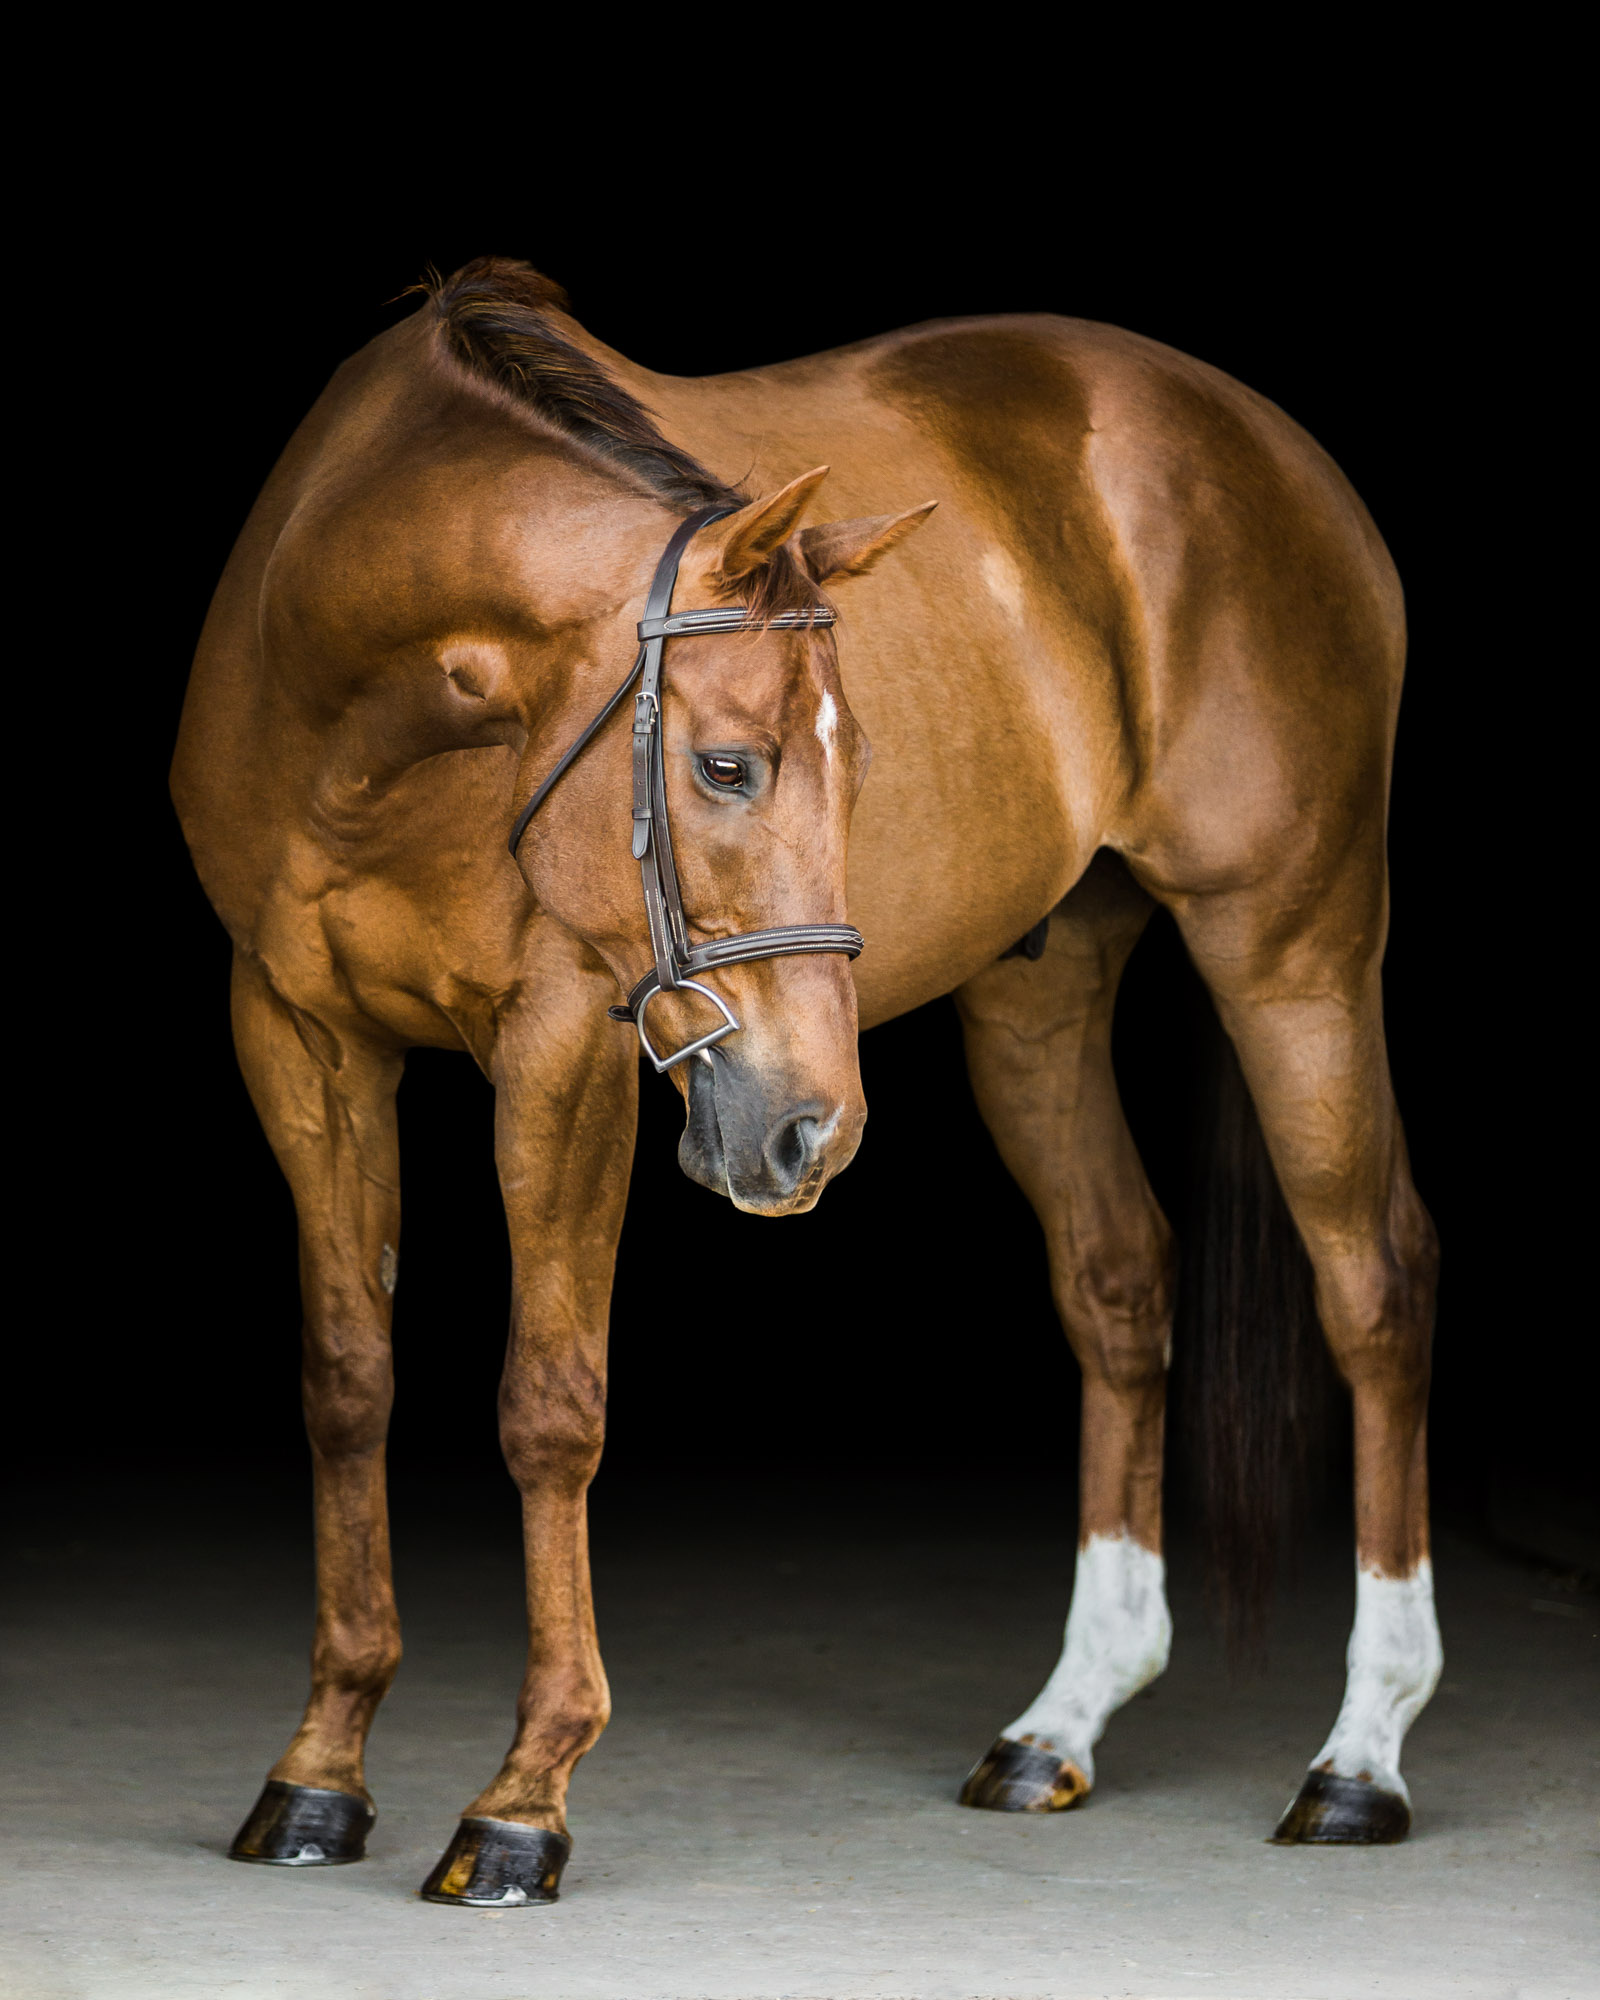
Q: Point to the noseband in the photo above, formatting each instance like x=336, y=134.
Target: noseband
x=676, y=959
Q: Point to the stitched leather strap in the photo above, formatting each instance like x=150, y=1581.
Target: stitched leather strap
x=783, y=941
x=733, y=618
x=571, y=755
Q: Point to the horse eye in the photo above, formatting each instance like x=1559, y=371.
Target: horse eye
x=728, y=772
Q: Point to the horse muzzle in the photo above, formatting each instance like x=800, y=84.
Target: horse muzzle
x=771, y=1153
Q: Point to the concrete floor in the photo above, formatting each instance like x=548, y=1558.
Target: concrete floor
x=771, y=1811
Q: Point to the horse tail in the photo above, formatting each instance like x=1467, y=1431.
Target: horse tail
x=1252, y=1368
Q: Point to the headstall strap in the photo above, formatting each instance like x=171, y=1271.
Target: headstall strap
x=676, y=960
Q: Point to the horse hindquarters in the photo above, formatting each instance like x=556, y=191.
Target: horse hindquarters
x=1038, y=1039
x=327, y=1107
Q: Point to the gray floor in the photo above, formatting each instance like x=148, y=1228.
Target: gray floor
x=770, y=1813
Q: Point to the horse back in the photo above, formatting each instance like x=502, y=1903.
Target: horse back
x=1150, y=614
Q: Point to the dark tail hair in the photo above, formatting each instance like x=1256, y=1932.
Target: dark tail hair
x=1252, y=1369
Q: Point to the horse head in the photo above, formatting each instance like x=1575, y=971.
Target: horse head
x=762, y=761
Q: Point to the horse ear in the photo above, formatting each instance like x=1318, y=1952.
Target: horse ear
x=746, y=539
x=850, y=548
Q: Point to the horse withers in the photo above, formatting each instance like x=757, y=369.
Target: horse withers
x=1148, y=651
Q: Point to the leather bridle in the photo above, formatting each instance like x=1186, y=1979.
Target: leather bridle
x=677, y=959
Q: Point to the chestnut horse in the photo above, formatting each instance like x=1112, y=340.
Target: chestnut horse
x=1147, y=651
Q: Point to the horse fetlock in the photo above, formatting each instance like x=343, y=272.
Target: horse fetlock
x=1393, y=1665
x=329, y=1747
x=534, y=1798
x=326, y=1757
x=530, y=1787
x=1118, y=1637
x=354, y=1669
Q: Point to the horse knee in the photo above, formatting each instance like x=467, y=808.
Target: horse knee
x=552, y=1433
x=347, y=1391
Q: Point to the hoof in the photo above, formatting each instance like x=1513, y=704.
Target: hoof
x=497, y=1864
x=1019, y=1777
x=1331, y=1811
x=302, y=1826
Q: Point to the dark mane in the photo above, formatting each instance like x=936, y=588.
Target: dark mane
x=492, y=315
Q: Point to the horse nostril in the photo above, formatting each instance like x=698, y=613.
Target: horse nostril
x=791, y=1149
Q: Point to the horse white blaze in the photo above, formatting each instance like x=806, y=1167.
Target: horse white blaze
x=1392, y=1666
x=1119, y=1634
x=827, y=724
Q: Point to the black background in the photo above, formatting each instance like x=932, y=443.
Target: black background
x=1365, y=275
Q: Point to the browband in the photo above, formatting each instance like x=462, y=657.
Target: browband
x=676, y=960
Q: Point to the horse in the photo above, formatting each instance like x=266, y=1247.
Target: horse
x=1117, y=635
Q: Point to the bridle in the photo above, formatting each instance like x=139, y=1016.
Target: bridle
x=676, y=959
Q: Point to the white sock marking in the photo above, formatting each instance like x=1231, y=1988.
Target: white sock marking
x=1119, y=1634
x=827, y=724
x=1392, y=1666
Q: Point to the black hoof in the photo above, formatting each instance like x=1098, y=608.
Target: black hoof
x=1331, y=1811
x=302, y=1826
x=1020, y=1777
x=497, y=1864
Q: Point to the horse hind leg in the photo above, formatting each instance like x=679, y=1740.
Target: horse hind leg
x=1038, y=1039
x=329, y=1114
x=1302, y=1005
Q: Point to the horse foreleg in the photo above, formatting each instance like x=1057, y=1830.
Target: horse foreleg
x=566, y=1084
x=1303, y=1005
x=326, y=1104
x=1039, y=1052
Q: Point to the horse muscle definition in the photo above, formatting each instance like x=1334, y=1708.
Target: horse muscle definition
x=1146, y=597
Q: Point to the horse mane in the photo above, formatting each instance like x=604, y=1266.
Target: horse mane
x=492, y=316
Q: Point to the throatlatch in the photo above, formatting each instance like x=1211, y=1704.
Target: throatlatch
x=675, y=958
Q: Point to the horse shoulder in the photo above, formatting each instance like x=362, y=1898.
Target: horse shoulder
x=229, y=761
x=359, y=891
